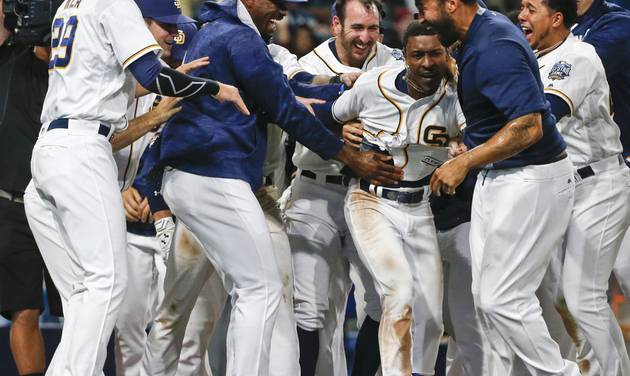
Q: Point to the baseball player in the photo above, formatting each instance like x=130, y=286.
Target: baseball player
x=225, y=163
x=606, y=26
x=144, y=255
x=410, y=113
x=315, y=223
x=189, y=270
x=73, y=203
x=576, y=86
x=511, y=135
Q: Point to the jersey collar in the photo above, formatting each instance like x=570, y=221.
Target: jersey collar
x=245, y=17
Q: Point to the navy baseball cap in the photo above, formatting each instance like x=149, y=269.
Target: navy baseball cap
x=165, y=11
x=185, y=33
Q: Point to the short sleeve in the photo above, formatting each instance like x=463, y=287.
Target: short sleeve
x=458, y=121
x=506, y=79
x=571, y=78
x=126, y=32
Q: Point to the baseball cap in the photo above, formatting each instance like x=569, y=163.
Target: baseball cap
x=165, y=11
x=185, y=33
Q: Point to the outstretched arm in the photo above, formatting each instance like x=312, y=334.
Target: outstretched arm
x=166, y=81
x=516, y=136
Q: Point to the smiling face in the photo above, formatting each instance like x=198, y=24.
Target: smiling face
x=164, y=34
x=265, y=14
x=537, y=21
x=358, y=33
x=427, y=62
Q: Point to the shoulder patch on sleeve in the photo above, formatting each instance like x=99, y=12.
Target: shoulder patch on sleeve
x=397, y=54
x=560, y=70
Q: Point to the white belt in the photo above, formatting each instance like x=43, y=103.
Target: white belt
x=80, y=126
x=606, y=164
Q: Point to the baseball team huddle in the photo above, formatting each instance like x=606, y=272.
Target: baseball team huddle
x=474, y=183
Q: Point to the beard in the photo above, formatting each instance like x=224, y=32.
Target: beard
x=446, y=30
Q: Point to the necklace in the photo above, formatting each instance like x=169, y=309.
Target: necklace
x=412, y=85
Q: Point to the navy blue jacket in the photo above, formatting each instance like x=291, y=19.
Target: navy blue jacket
x=213, y=139
x=607, y=27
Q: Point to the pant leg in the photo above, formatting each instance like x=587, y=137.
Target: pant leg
x=187, y=271
x=622, y=265
x=228, y=220
x=314, y=217
x=284, y=357
x=423, y=254
x=380, y=245
x=202, y=324
x=135, y=313
x=512, y=257
x=598, y=223
x=76, y=175
x=44, y=227
x=473, y=355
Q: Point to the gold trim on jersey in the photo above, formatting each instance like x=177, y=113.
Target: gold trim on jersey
x=133, y=57
x=290, y=76
x=563, y=96
x=424, y=114
x=374, y=54
x=325, y=62
x=400, y=112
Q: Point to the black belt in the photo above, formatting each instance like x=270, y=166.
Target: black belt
x=332, y=179
x=62, y=123
x=394, y=195
x=553, y=159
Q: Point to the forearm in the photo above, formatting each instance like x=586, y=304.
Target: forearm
x=136, y=128
x=321, y=79
x=514, y=137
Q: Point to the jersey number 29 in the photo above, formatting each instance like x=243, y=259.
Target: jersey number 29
x=61, y=42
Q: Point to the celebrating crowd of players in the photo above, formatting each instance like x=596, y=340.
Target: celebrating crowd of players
x=468, y=183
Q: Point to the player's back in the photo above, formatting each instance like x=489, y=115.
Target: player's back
x=93, y=41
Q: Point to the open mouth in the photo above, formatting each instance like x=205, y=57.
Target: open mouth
x=526, y=30
x=361, y=48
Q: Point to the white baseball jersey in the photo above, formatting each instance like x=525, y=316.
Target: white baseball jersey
x=323, y=61
x=93, y=42
x=574, y=72
x=395, y=121
x=128, y=158
x=284, y=57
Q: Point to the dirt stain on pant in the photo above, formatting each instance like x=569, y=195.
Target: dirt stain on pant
x=395, y=342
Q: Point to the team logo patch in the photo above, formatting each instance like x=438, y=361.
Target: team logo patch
x=178, y=4
x=431, y=161
x=397, y=54
x=560, y=70
x=180, y=38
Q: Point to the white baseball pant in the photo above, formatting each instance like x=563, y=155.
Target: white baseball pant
x=189, y=311
x=469, y=352
x=76, y=214
x=319, y=238
x=397, y=243
x=141, y=302
x=518, y=218
x=284, y=343
x=600, y=218
x=622, y=265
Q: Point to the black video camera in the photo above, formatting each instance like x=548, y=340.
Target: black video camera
x=29, y=20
